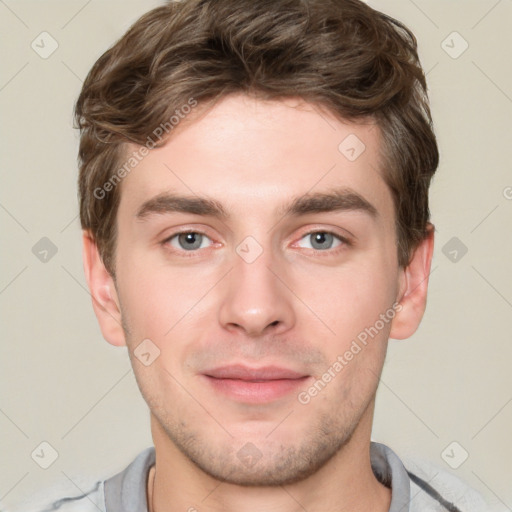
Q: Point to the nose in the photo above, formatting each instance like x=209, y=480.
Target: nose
x=256, y=300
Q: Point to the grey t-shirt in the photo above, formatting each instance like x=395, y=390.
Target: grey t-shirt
x=418, y=491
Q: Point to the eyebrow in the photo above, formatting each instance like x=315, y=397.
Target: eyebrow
x=343, y=199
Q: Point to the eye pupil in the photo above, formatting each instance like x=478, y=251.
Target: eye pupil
x=190, y=240
x=322, y=238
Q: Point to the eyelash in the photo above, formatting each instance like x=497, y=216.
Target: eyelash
x=328, y=252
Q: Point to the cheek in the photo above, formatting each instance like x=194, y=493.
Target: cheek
x=347, y=298
x=158, y=299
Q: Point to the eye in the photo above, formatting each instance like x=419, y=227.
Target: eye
x=188, y=241
x=323, y=240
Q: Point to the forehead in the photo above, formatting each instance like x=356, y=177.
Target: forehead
x=254, y=156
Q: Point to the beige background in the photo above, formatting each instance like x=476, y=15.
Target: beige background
x=63, y=384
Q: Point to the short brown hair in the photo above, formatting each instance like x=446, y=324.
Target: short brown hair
x=339, y=54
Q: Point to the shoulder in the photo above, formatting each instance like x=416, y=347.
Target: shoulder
x=67, y=500
x=124, y=491
x=435, y=487
x=419, y=485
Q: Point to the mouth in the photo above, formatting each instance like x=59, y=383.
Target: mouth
x=254, y=385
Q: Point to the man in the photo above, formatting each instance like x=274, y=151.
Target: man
x=254, y=197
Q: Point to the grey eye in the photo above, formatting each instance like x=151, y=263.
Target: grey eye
x=321, y=240
x=188, y=241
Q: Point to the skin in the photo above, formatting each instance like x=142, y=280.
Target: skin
x=296, y=306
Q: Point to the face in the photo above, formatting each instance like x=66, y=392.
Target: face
x=254, y=291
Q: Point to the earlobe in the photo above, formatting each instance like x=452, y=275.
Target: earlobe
x=413, y=289
x=105, y=301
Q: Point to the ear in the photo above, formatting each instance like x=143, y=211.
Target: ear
x=413, y=287
x=105, y=301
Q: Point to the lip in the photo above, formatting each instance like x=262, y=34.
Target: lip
x=241, y=372
x=254, y=385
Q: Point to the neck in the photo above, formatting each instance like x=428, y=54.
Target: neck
x=345, y=482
